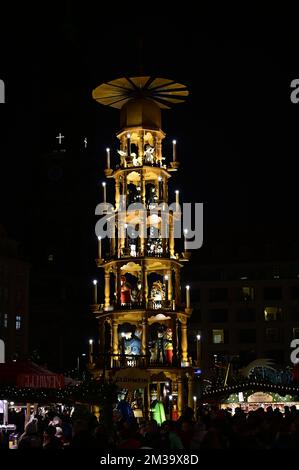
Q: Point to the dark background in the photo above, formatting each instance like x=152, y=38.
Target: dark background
x=237, y=139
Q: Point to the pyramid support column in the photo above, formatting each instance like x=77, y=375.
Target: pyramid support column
x=121, y=235
x=117, y=185
x=107, y=289
x=169, y=274
x=118, y=285
x=164, y=189
x=180, y=401
x=115, y=338
x=159, y=149
x=125, y=186
x=144, y=283
x=142, y=186
x=177, y=287
x=144, y=339
x=175, y=341
x=102, y=341
x=184, y=341
x=115, y=298
x=171, y=236
x=141, y=145
x=123, y=143
x=142, y=234
x=112, y=239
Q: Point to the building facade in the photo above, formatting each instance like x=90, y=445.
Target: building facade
x=14, y=285
x=246, y=310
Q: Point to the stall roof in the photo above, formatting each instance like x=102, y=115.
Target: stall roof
x=28, y=374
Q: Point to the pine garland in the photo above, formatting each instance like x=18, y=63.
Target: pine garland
x=92, y=391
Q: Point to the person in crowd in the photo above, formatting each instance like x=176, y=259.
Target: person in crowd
x=30, y=439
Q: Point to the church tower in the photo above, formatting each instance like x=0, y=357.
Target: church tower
x=143, y=319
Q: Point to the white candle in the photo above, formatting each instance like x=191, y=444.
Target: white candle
x=177, y=195
x=129, y=144
x=104, y=191
x=185, y=238
x=99, y=247
x=90, y=350
x=174, y=150
x=95, y=291
x=125, y=235
x=159, y=187
x=108, y=157
x=187, y=296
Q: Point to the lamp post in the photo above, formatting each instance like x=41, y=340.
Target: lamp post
x=195, y=406
x=78, y=363
x=198, y=352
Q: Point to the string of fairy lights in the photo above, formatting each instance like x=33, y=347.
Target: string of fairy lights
x=88, y=392
x=285, y=389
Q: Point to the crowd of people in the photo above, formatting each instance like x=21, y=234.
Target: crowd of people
x=212, y=429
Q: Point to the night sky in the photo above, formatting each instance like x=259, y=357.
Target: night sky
x=237, y=133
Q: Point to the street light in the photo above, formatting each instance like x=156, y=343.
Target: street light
x=194, y=405
x=198, y=351
x=78, y=362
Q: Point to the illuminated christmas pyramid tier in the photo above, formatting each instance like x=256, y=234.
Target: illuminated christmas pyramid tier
x=142, y=322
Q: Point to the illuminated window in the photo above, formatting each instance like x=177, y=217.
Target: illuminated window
x=273, y=314
x=18, y=322
x=218, y=336
x=246, y=294
x=50, y=257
